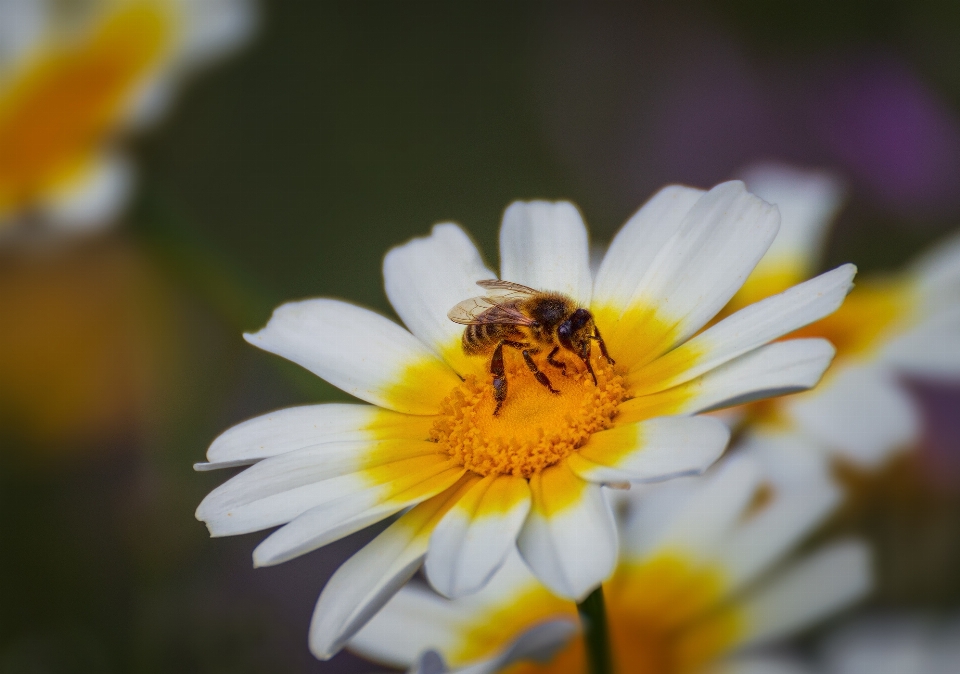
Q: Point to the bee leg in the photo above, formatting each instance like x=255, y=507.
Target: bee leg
x=586, y=361
x=528, y=359
x=560, y=365
x=499, y=378
x=603, y=346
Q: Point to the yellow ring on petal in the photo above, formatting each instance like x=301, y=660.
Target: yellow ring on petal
x=421, y=386
x=637, y=334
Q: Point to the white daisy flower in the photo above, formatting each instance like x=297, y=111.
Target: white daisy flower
x=692, y=592
x=484, y=470
x=906, y=323
x=76, y=76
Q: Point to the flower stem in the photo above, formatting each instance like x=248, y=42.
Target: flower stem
x=593, y=616
x=178, y=245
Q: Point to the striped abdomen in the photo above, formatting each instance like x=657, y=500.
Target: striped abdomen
x=483, y=337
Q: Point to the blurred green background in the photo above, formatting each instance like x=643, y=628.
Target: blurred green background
x=346, y=128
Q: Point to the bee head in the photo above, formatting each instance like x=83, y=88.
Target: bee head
x=575, y=332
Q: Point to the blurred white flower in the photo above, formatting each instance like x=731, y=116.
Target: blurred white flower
x=532, y=474
x=75, y=78
x=899, y=324
x=894, y=644
x=693, y=591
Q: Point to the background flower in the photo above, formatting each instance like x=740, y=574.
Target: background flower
x=693, y=586
x=893, y=643
x=893, y=327
x=76, y=77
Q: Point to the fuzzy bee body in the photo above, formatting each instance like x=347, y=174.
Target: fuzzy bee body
x=484, y=337
x=546, y=310
x=527, y=320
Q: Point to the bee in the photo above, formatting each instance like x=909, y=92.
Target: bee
x=527, y=320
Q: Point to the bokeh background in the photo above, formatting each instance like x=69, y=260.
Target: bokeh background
x=343, y=128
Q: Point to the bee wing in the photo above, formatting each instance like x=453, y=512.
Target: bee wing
x=507, y=289
x=486, y=310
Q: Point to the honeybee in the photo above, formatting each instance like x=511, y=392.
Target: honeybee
x=527, y=320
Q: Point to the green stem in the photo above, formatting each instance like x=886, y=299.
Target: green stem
x=593, y=616
x=180, y=247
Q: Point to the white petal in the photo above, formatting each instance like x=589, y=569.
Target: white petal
x=536, y=644
x=150, y=101
x=427, y=277
x=650, y=511
x=637, y=243
x=761, y=664
x=360, y=352
x=334, y=519
x=544, y=245
x=652, y=450
x=256, y=513
x=803, y=494
x=748, y=329
x=512, y=579
x=280, y=488
x=208, y=30
x=808, y=202
x=417, y=620
x=373, y=575
x=22, y=23
x=938, y=270
x=772, y=370
x=212, y=28
x=705, y=520
x=809, y=590
x=414, y=621
x=569, y=540
x=859, y=413
x=931, y=349
x=95, y=200
x=298, y=427
x=429, y=663
x=902, y=643
x=696, y=272
x=474, y=538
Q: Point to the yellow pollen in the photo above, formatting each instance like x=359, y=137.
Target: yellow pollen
x=535, y=428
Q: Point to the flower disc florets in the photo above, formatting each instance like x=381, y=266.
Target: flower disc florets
x=535, y=428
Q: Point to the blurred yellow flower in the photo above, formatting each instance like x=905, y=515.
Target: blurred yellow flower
x=85, y=336
x=74, y=78
x=692, y=590
x=897, y=324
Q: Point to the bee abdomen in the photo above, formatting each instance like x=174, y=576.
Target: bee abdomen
x=483, y=337
x=473, y=339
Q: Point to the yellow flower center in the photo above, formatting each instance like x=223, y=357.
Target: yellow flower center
x=535, y=428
